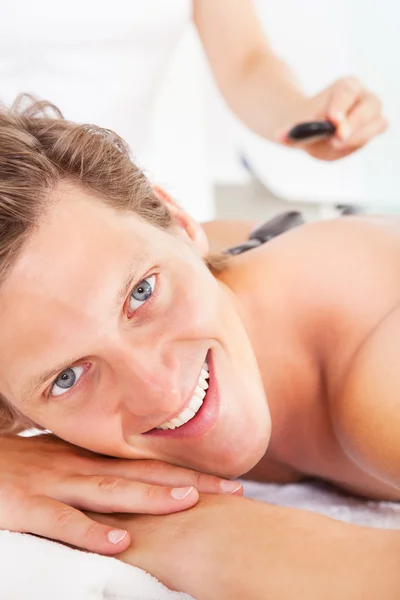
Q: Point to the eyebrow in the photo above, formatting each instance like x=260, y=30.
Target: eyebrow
x=132, y=275
x=32, y=384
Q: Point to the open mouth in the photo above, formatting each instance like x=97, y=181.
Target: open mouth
x=195, y=403
x=200, y=413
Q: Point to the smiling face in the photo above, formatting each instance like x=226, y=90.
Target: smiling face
x=106, y=323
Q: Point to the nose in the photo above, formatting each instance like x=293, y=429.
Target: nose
x=148, y=380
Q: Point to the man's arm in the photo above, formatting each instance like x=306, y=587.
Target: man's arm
x=44, y=482
x=233, y=548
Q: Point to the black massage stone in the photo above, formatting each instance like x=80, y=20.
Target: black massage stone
x=305, y=131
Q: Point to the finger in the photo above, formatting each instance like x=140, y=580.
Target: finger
x=368, y=109
x=362, y=136
x=345, y=95
x=108, y=493
x=283, y=138
x=162, y=473
x=57, y=521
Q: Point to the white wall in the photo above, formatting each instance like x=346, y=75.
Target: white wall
x=195, y=140
x=338, y=38
x=322, y=40
x=178, y=156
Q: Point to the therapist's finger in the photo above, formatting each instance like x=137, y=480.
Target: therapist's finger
x=368, y=109
x=105, y=493
x=162, y=473
x=345, y=94
x=362, y=136
x=54, y=520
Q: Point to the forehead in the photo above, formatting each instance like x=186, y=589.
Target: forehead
x=60, y=276
x=77, y=234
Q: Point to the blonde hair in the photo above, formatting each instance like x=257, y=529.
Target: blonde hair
x=38, y=150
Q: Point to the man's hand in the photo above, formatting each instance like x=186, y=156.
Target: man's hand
x=44, y=482
x=356, y=112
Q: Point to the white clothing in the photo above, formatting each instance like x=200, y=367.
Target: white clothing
x=100, y=62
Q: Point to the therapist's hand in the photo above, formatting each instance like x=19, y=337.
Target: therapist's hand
x=44, y=482
x=356, y=112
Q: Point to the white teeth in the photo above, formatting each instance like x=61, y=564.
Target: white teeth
x=194, y=405
x=204, y=374
x=202, y=383
x=199, y=392
x=186, y=415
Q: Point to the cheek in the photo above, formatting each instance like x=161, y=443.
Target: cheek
x=195, y=307
x=89, y=419
x=90, y=428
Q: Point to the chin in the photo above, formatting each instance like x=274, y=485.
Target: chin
x=233, y=460
x=243, y=447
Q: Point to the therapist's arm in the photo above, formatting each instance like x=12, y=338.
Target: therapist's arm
x=256, y=84
x=232, y=548
x=263, y=92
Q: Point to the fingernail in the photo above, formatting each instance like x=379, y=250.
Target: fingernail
x=181, y=493
x=229, y=487
x=116, y=536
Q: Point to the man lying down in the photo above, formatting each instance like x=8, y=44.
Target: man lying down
x=122, y=336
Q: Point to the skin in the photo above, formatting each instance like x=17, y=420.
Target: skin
x=126, y=353
x=320, y=342
x=247, y=549
x=49, y=494
x=285, y=318
x=327, y=351
x=46, y=484
x=261, y=90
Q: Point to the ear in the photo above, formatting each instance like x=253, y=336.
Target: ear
x=188, y=225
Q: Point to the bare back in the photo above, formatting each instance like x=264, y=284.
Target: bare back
x=312, y=298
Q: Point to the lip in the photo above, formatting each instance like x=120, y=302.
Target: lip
x=206, y=416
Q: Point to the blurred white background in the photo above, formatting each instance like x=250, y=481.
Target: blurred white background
x=197, y=141
x=86, y=49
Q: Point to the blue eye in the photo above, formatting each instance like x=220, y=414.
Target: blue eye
x=141, y=292
x=66, y=380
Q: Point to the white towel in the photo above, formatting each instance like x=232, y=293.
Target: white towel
x=327, y=501
x=34, y=568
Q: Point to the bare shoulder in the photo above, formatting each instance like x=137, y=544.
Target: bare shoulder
x=326, y=297
x=225, y=233
x=366, y=409
x=328, y=283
